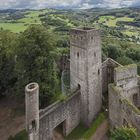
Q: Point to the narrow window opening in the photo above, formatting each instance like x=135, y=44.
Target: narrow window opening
x=79, y=87
x=125, y=123
x=33, y=124
x=135, y=99
x=78, y=54
x=98, y=72
x=94, y=54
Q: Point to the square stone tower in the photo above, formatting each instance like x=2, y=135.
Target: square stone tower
x=86, y=71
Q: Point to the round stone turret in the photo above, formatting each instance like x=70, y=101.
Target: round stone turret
x=32, y=110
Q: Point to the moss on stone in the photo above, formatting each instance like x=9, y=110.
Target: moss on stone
x=133, y=107
x=122, y=68
x=115, y=88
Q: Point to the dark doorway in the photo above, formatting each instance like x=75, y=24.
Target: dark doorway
x=79, y=87
x=59, y=131
x=125, y=123
x=135, y=99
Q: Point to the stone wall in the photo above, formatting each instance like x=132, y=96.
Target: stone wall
x=124, y=97
x=131, y=114
x=66, y=112
x=115, y=108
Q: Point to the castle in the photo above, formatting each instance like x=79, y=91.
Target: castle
x=90, y=79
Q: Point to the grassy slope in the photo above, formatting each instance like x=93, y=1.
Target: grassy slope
x=32, y=17
x=111, y=21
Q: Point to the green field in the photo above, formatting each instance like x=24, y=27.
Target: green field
x=63, y=20
x=14, y=27
x=111, y=21
x=31, y=17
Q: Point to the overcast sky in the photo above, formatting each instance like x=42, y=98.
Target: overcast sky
x=37, y=4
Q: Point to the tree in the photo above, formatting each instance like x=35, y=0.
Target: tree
x=125, y=60
x=124, y=133
x=35, y=63
x=133, y=53
x=8, y=43
x=112, y=51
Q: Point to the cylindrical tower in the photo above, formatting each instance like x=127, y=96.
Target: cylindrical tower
x=32, y=111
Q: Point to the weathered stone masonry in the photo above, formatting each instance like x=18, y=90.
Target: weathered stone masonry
x=66, y=112
x=86, y=70
x=91, y=77
x=124, y=98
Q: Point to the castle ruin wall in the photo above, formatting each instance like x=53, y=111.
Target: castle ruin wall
x=66, y=112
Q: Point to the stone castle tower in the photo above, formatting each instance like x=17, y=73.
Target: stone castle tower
x=32, y=110
x=86, y=70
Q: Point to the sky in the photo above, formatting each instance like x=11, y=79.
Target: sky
x=83, y=4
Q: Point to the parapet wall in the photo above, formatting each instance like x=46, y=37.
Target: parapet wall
x=122, y=111
x=82, y=37
x=126, y=77
x=131, y=114
x=66, y=112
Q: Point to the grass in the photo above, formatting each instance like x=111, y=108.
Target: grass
x=31, y=17
x=131, y=33
x=83, y=133
x=89, y=133
x=77, y=133
x=14, y=27
x=111, y=21
x=20, y=136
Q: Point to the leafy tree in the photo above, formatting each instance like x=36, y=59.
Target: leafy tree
x=125, y=60
x=133, y=53
x=112, y=51
x=124, y=133
x=8, y=43
x=35, y=62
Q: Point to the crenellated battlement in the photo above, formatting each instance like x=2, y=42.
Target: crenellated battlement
x=84, y=37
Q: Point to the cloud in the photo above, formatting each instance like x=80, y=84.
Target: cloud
x=84, y=4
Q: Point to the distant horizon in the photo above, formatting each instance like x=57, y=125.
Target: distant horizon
x=67, y=4
x=63, y=8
